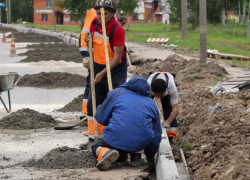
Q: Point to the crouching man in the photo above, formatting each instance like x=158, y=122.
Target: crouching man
x=131, y=121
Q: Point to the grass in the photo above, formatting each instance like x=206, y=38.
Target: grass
x=230, y=39
x=240, y=64
x=60, y=28
x=187, y=146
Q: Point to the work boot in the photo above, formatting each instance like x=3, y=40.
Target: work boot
x=170, y=140
x=84, y=123
x=123, y=157
x=109, y=157
x=135, y=159
x=85, y=145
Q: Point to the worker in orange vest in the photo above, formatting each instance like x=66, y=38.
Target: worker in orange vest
x=117, y=57
x=83, y=49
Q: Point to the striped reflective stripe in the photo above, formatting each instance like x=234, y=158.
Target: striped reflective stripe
x=100, y=36
x=82, y=114
x=83, y=49
x=91, y=136
x=85, y=100
x=91, y=118
x=172, y=129
x=85, y=29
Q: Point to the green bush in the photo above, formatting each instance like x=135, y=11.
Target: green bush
x=19, y=21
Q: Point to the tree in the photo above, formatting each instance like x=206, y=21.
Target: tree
x=214, y=8
x=77, y=8
x=19, y=9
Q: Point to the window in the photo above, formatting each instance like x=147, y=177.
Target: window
x=44, y=17
x=72, y=17
x=48, y=4
x=135, y=17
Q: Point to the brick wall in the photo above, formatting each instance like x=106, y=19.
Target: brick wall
x=41, y=4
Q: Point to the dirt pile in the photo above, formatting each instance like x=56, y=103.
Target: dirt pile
x=50, y=51
x=27, y=119
x=64, y=158
x=33, y=37
x=219, y=143
x=73, y=106
x=190, y=75
x=216, y=145
x=3, y=29
x=52, y=80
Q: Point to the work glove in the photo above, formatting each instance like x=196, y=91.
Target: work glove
x=85, y=62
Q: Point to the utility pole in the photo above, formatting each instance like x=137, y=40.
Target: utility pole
x=203, y=31
x=184, y=24
x=7, y=11
x=54, y=15
x=248, y=22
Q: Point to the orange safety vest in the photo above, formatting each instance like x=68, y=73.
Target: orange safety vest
x=99, y=51
x=91, y=14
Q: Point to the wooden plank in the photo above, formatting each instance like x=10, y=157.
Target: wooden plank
x=233, y=83
x=153, y=40
x=149, y=39
x=162, y=39
x=158, y=39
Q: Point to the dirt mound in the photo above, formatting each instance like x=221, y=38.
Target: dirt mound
x=47, y=52
x=189, y=74
x=26, y=119
x=33, y=37
x=73, y=106
x=64, y=158
x=3, y=29
x=216, y=145
x=52, y=80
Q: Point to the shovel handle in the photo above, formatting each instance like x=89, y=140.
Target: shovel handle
x=106, y=49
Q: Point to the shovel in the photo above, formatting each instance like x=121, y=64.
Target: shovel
x=69, y=126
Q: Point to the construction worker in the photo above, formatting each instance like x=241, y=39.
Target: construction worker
x=163, y=86
x=83, y=49
x=122, y=20
x=117, y=56
x=131, y=121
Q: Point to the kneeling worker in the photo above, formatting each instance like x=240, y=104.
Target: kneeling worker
x=163, y=86
x=131, y=121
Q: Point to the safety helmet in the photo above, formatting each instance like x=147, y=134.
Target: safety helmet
x=107, y=4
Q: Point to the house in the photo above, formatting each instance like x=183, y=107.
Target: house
x=150, y=11
x=43, y=14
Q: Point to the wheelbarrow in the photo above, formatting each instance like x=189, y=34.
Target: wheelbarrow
x=7, y=83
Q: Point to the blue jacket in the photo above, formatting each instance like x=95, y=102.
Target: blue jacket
x=131, y=118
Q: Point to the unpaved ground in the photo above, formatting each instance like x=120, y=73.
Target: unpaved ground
x=52, y=80
x=216, y=145
x=52, y=51
x=73, y=106
x=33, y=37
x=27, y=119
x=63, y=158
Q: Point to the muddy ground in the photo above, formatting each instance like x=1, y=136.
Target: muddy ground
x=216, y=145
x=73, y=106
x=33, y=37
x=52, y=80
x=27, y=119
x=52, y=51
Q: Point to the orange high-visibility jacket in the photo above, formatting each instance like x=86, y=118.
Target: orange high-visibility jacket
x=91, y=14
